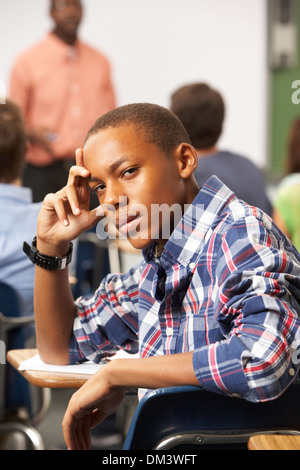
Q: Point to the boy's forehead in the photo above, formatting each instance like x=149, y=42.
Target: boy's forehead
x=111, y=135
x=117, y=141
x=118, y=133
x=110, y=147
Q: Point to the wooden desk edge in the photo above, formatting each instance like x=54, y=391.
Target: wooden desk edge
x=43, y=378
x=274, y=442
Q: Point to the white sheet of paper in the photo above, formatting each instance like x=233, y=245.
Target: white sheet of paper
x=35, y=363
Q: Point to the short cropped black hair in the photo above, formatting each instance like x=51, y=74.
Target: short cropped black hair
x=156, y=124
x=12, y=142
x=201, y=109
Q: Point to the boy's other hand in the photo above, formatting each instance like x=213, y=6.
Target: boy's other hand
x=88, y=407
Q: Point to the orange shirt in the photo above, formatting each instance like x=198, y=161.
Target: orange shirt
x=63, y=90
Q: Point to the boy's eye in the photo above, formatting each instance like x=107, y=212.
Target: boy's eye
x=126, y=173
x=99, y=188
x=129, y=171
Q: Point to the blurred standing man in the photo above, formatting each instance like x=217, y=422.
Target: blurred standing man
x=62, y=86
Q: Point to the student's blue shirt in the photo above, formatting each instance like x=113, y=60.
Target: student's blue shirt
x=226, y=286
x=239, y=173
x=18, y=224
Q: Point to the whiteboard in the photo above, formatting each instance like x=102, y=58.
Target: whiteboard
x=155, y=46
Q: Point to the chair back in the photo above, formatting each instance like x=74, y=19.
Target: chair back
x=189, y=417
x=91, y=264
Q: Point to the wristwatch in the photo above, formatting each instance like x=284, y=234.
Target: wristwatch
x=50, y=263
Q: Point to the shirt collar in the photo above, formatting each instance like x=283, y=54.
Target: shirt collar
x=62, y=49
x=19, y=193
x=185, y=242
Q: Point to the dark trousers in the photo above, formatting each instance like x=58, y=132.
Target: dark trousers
x=46, y=179
x=49, y=179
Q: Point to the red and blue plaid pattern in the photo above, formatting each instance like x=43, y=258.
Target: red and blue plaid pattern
x=227, y=287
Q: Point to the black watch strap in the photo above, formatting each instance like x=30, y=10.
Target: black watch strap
x=50, y=263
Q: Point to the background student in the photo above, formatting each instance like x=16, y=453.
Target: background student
x=201, y=109
x=18, y=213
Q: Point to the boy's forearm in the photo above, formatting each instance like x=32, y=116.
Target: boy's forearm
x=54, y=314
x=152, y=372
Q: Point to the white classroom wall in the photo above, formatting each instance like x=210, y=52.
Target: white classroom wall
x=156, y=46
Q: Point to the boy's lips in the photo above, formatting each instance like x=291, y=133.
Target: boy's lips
x=126, y=223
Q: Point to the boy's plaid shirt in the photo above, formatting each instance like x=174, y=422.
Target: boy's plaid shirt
x=227, y=287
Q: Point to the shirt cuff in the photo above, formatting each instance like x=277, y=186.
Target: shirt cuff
x=218, y=371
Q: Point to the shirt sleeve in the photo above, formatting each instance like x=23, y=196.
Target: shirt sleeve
x=108, y=94
x=20, y=87
x=108, y=321
x=284, y=205
x=257, y=305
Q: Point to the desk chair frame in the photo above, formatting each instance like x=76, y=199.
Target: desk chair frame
x=7, y=325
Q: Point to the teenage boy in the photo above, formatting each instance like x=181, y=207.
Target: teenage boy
x=215, y=304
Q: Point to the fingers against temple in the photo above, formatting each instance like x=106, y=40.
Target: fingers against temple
x=79, y=157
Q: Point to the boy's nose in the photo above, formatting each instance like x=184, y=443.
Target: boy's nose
x=114, y=197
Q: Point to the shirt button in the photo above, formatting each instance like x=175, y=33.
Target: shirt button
x=291, y=372
x=169, y=331
x=192, y=265
x=74, y=89
x=76, y=111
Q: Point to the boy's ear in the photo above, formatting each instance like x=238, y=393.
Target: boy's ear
x=187, y=159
